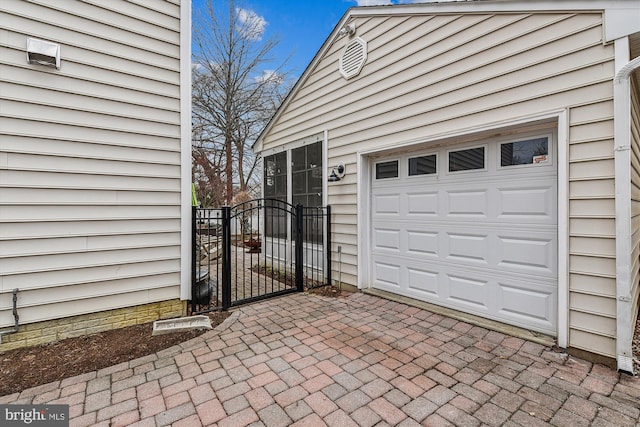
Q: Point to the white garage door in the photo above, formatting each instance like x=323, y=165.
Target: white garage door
x=471, y=227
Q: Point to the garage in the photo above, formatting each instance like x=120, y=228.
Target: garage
x=472, y=227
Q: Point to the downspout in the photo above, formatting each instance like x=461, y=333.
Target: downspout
x=622, y=155
x=16, y=318
x=185, y=151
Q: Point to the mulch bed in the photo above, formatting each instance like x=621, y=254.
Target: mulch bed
x=24, y=368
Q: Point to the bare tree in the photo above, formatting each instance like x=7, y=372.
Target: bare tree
x=233, y=95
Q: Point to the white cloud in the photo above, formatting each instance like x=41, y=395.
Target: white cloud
x=250, y=24
x=270, y=76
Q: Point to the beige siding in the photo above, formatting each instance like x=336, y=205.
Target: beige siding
x=592, y=251
x=431, y=75
x=635, y=193
x=89, y=157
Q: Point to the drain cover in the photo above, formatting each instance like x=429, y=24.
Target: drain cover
x=169, y=326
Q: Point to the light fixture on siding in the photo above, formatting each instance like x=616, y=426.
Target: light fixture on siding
x=42, y=52
x=349, y=29
x=337, y=173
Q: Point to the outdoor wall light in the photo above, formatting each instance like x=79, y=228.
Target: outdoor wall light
x=337, y=173
x=349, y=29
x=43, y=53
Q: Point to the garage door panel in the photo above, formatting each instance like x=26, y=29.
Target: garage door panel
x=422, y=204
x=387, y=274
x=424, y=282
x=526, y=203
x=468, y=291
x=517, y=250
x=386, y=204
x=468, y=247
x=528, y=304
x=533, y=255
x=386, y=239
x=468, y=203
x=422, y=243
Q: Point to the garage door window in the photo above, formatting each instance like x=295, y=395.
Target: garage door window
x=528, y=152
x=423, y=165
x=386, y=170
x=465, y=160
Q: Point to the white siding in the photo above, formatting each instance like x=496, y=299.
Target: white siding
x=428, y=75
x=89, y=157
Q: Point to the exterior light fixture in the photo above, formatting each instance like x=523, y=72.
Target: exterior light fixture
x=349, y=29
x=42, y=52
x=337, y=173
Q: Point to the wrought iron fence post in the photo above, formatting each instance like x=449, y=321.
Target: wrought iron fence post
x=299, y=247
x=194, y=254
x=328, y=249
x=226, y=257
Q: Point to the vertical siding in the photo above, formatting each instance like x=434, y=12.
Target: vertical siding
x=89, y=157
x=427, y=75
x=635, y=192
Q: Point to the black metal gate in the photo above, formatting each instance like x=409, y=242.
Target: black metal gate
x=257, y=249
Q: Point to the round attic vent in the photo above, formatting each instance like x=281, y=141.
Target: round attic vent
x=353, y=58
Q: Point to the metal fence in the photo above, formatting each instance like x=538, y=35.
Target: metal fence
x=257, y=249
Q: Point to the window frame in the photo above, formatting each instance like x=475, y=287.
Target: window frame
x=320, y=139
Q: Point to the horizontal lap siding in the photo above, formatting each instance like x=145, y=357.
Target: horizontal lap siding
x=89, y=158
x=592, y=264
x=430, y=75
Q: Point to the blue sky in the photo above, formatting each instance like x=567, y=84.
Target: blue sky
x=302, y=25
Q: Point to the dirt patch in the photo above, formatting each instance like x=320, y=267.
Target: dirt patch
x=326, y=291
x=24, y=368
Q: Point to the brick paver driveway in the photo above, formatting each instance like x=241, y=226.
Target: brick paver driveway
x=357, y=361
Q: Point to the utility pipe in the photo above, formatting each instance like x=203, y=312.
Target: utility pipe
x=16, y=326
x=624, y=243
